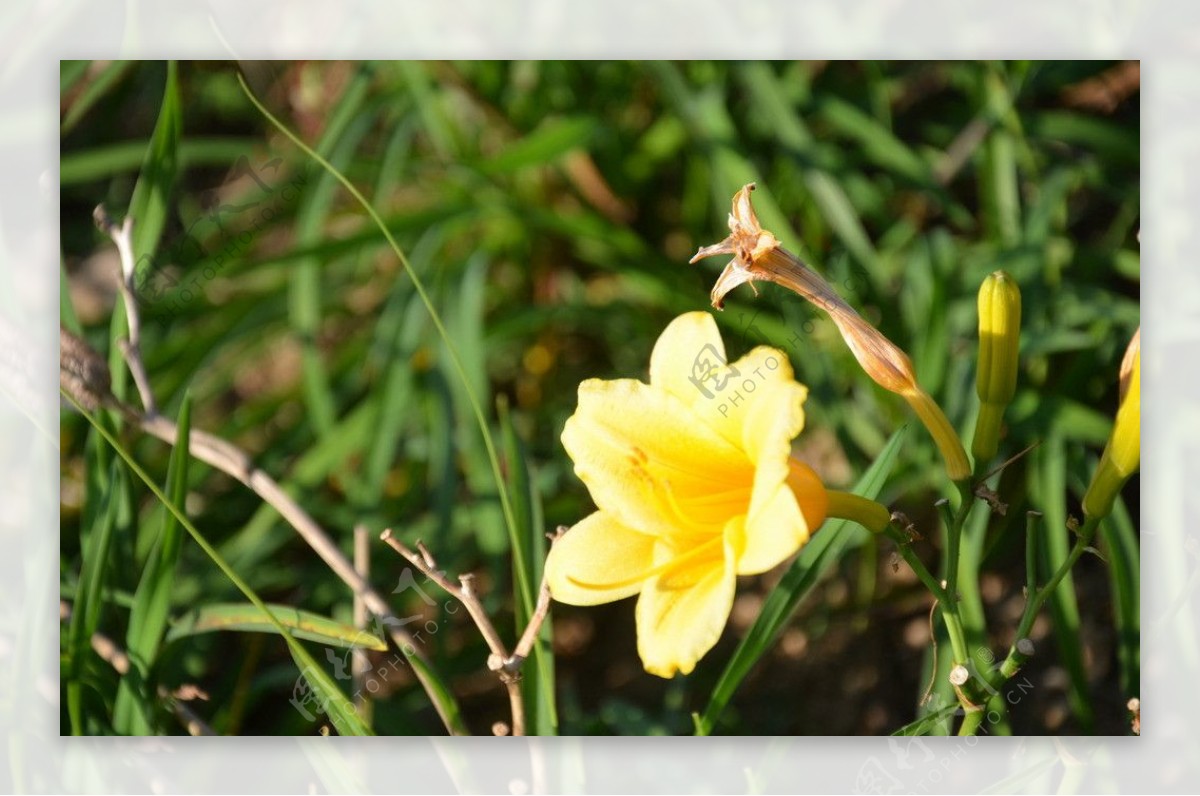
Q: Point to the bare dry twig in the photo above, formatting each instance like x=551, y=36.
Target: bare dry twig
x=131, y=348
x=507, y=667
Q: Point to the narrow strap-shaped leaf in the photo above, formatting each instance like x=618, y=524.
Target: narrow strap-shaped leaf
x=249, y=618
x=100, y=517
x=529, y=555
x=151, y=194
x=1050, y=485
x=152, y=600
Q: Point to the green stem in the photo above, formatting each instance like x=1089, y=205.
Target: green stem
x=971, y=721
x=954, y=525
x=969, y=695
x=1031, y=519
x=923, y=574
x=1016, y=658
x=958, y=640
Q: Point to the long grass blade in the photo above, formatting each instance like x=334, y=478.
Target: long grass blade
x=133, y=711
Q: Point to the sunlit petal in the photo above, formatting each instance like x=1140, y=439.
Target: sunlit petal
x=783, y=519
x=681, y=613
x=642, y=453
x=599, y=550
x=689, y=358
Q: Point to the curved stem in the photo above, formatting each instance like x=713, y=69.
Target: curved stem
x=435, y=317
x=1016, y=656
x=958, y=641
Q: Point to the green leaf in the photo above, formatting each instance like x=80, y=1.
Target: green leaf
x=1124, y=566
x=69, y=73
x=306, y=295
x=246, y=618
x=816, y=557
x=768, y=97
x=878, y=143
x=132, y=713
x=1049, y=484
x=546, y=144
x=339, y=709
x=112, y=160
x=92, y=93
x=100, y=517
x=998, y=180
x=151, y=194
x=929, y=721
x=455, y=358
x=529, y=556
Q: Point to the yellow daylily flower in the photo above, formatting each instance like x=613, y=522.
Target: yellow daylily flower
x=694, y=481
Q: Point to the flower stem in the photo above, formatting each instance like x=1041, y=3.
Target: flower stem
x=866, y=512
x=954, y=525
x=1016, y=655
x=970, y=695
x=957, y=639
x=972, y=720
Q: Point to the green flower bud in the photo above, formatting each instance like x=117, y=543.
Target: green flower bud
x=999, y=341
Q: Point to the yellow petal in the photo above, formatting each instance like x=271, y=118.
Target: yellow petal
x=771, y=416
x=756, y=405
x=645, y=457
x=598, y=550
x=783, y=519
x=689, y=360
x=775, y=531
x=681, y=613
x=773, y=407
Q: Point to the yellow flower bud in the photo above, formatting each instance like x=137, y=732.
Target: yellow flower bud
x=999, y=341
x=1122, y=455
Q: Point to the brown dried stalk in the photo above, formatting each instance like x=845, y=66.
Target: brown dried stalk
x=507, y=667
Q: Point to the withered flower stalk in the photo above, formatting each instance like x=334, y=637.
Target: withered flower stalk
x=757, y=255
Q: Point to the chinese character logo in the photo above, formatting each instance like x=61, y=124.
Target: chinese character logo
x=710, y=367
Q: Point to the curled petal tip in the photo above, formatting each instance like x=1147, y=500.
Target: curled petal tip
x=724, y=247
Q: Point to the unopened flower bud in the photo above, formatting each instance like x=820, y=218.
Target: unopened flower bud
x=1122, y=454
x=999, y=341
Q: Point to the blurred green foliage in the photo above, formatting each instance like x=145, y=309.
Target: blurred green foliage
x=550, y=210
